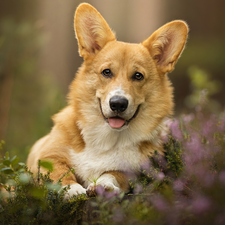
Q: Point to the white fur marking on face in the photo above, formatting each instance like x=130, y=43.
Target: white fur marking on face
x=117, y=92
x=75, y=189
x=128, y=113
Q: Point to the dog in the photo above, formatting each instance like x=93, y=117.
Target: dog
x=117, y=105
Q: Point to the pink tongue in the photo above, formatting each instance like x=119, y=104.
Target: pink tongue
x=116, y=122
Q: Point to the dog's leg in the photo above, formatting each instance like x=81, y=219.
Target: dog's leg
x=75, y=189
x=115, y=181
x=62, y=169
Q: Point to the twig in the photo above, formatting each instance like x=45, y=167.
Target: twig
x=39, y=167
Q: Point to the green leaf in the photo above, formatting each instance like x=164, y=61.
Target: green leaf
x=11, y=182
x=121, y=195
x=3, y=185
x=94, y=204
x=47, y=165
x=104, y=204
x=52, y=187
x=7, y=155
x=7, y=170
x=1, y=144
x=14, y=161
x=6, y=162
x=37, y=192
x=24, y=178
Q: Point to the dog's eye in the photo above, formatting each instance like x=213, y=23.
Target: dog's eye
x=138, y=76
x=107, y=73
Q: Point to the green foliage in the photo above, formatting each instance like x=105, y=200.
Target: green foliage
x=163, y=170
x=46, y=165
x=26, y=120
x=203, y=88
x=173, y=151
x=27, y=199
x=192, y=188
x=185, y=186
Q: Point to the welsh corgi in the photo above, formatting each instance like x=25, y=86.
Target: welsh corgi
x=117, y=105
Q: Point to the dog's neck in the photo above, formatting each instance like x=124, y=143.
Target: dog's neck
x=101, y=136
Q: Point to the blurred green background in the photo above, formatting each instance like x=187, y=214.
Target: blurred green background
x=39, y=57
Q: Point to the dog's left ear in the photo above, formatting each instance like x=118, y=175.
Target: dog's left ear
x=92, y=31
x=166, y=45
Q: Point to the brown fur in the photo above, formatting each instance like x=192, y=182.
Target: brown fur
x=154, y=58
x=121, y=178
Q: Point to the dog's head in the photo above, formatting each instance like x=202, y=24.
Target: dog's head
x=128, y=81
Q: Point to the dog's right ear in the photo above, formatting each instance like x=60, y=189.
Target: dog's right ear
x=92, y=31
x=166, y=44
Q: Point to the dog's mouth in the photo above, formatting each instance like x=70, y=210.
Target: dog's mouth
x=117, y=122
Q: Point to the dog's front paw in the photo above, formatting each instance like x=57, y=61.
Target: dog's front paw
x=75, y=189
x=94, y=189
x=106, y=183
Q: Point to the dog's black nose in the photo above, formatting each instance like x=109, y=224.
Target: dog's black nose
x=118, y=103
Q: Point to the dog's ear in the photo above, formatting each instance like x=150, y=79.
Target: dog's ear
x=92, y=31
x=166, y=44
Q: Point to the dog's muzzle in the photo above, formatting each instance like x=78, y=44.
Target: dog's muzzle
x=118, y=105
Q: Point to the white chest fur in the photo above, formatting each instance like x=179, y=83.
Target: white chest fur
x=91, y=163
x=106, y=150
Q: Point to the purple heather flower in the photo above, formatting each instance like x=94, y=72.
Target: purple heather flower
x=138, y=189
x=110, y=194
x=146, y=166
x=203, y=175
x=175, y=129
x=160, y=160
x=166, y=130
x=164, y=138
x=221, y=125
x=209, y=179
x=100, y=190
x=118, y=215
x=159, y=203
x=194, y=151
x=160, y=176
x=200, y=205
x=194, y=143
x=208, y=128
x=178, y=185
x=188, y=118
